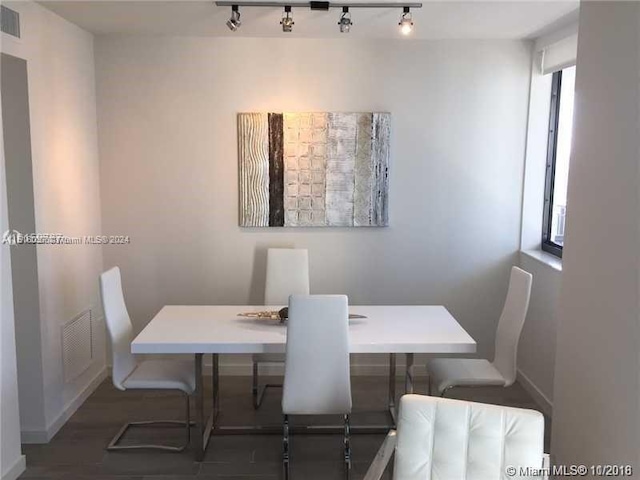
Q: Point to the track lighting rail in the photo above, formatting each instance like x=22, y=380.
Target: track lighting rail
x=345, y=23
x=258, y=3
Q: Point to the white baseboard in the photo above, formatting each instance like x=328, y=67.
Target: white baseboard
x=245, y=369
x=34, y=436
x=18, y=467
x=540, y=398
x=44, y=436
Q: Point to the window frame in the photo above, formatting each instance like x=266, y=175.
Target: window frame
x=547, y=244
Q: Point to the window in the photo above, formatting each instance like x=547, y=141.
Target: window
x=558, y=154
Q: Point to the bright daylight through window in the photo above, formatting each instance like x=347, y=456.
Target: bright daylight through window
x=558, y=154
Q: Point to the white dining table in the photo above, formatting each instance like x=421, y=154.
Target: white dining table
x=218, y=329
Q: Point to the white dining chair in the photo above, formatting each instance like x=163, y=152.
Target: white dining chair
x=447, y=373
x=131, y=374
x=287, y=274
x=317, y=370
x=446, y=439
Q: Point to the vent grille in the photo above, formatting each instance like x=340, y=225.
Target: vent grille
x=77, y=345
x=9, y=21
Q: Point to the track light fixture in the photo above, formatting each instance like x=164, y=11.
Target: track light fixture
x=234, y=22
x=287, y=20
x=345, y=21
x=406, y=21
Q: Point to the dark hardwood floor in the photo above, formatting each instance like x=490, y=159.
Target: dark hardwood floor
x=78, y=451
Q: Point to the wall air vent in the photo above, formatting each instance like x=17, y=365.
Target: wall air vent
x=9, y=21
x=77, y=345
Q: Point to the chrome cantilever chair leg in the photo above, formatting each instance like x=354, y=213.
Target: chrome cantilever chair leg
x=451, y=387
x=444, y=392
x=257, y=390
x=285, y=446
x=347, y=446
x=113, y=445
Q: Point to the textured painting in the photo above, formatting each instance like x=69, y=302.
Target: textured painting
x=314, y=169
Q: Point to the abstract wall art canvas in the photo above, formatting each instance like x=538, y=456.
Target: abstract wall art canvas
x=314, y=169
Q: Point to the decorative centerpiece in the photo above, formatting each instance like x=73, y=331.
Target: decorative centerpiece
x=281, y=315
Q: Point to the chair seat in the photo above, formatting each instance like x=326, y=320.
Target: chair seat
x=463, y=372
x=268, y=357
x=163, y=375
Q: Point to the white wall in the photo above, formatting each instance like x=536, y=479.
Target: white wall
x=537, y=348
x=167, y=122
x=596, y=393
x=67, y=197
x=12, y=462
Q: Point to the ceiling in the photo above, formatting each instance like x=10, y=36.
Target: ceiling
x=446, y=20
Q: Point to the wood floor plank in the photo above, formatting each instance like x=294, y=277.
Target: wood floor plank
x=78, y=451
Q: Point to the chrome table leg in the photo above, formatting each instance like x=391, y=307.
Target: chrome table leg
x=203, y=429
x=392, y=386
x=199, y=394
x=285, y=446
x=216, y=386
x=408, y=377
x=347, y=444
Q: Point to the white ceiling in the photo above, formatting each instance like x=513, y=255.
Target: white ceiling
x=443, y=19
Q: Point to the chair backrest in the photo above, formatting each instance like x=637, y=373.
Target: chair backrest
x=317, y=378
x=118, y=325
x=511, y=323
x=287, y=274
x=446, y=439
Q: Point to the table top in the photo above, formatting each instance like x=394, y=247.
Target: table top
x=219, y=329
